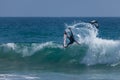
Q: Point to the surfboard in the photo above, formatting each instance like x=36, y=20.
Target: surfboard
x=64, y=42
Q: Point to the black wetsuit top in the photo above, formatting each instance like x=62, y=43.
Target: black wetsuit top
x=71, y=38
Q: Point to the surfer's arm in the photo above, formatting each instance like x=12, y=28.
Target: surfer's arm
x=77, y=42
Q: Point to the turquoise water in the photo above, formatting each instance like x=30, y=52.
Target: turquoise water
x=32, y=49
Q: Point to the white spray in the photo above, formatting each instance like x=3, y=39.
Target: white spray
x=100, y=51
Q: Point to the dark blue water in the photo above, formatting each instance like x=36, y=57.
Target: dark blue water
x=50, y=29
x=31, y=49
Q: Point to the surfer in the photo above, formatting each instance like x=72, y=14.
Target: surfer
x=70, y=37
x=95, y=23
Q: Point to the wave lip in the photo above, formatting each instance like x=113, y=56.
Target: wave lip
x=27, y=49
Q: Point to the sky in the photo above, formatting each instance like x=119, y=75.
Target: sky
x=59, y=8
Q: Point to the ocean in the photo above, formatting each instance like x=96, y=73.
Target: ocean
x=31, y=48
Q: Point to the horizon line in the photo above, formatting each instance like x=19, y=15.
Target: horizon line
x=56, y=16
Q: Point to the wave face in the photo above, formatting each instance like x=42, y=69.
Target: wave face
x=40, y=55
x=91, y=51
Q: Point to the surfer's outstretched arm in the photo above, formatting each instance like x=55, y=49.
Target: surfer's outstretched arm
x=77, y=42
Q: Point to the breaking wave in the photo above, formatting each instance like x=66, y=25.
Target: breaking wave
x=91, y=51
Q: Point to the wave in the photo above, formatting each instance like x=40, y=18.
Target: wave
x=93, y=50
x=48, y=54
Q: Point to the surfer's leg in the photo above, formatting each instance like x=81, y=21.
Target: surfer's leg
x=69, y=44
